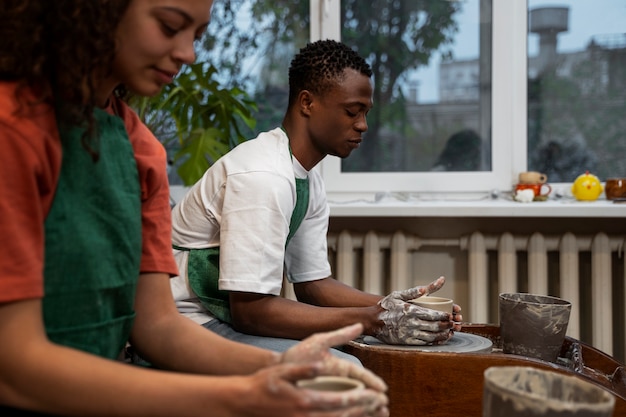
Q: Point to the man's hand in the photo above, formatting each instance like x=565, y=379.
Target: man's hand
x=408, y=324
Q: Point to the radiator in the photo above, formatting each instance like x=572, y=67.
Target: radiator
x=574, y=267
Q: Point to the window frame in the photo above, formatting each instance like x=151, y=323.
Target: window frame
x=509, y=115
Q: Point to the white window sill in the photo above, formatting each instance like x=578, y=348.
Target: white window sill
x=439, y=205
x=403, y=205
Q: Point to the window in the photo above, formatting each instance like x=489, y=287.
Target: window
x=557, y=89
x=419, y=123
x=433, y=131
x=513, y=89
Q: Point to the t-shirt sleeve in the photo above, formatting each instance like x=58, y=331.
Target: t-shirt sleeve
x=156, y=219
x=30, y=159
x=254, y=226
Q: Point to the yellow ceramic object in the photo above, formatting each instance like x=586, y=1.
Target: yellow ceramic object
x=587, y=187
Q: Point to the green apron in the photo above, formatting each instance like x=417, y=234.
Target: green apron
x=93, y=243
x=203, y=264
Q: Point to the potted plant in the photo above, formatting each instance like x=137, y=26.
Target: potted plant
x=197, y=119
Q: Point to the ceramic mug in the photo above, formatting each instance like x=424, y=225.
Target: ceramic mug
x=532, y=177
x=540, y=190
x=615, y=188
x=434, y=303
x=330, y=383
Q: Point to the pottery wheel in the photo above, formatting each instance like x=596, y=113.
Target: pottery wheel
x=460, y=343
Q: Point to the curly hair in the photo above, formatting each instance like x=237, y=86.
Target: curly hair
x=319, y=65
x=60, y=48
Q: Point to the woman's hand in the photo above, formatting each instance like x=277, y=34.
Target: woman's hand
x=273, y=392
x=315, y=350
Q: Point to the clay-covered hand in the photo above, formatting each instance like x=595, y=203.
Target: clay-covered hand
x=405, y=323
x=315, y=349
x=273, y=392
x=457, y=318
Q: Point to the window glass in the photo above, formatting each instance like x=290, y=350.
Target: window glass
x=577, y=88
x=432, y=84
x=250, y=44
x=432, y=64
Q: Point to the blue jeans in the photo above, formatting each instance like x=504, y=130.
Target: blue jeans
x=270, y=343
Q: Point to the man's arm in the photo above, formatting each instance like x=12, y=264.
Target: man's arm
x=329, y=292
x=391, y=319
x=320, y=310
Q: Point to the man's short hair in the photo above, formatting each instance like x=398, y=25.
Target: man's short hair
x=319, y=65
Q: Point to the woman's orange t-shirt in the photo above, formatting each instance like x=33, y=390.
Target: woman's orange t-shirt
x=30, y=163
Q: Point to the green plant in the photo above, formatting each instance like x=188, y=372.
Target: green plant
x=197, y=119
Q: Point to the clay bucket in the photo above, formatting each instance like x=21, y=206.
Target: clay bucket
x=518, y=391
x=533, y=325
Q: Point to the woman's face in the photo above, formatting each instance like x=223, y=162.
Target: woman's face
x=154, y=39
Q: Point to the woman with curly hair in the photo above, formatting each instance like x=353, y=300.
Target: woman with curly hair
x=85, y=221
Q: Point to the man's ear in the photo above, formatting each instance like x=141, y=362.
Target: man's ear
x=305, y=102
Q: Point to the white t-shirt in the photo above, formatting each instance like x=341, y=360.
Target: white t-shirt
x=243, y=204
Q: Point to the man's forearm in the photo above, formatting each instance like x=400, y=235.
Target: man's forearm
x=329, y=292
x=280, y=317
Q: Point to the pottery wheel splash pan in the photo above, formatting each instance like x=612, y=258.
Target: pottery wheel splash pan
x=460, y=343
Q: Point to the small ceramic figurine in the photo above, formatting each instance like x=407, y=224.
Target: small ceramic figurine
x=587, y=187
x=525, y=196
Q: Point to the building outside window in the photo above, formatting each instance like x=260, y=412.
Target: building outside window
x=577, y=88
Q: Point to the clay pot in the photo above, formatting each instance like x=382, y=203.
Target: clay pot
x=520, y=391
x=533, y=325
x=615, y=188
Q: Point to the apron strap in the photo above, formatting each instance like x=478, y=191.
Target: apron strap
x=302, y=205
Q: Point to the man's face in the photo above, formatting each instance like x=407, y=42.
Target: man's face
x=338, y=117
